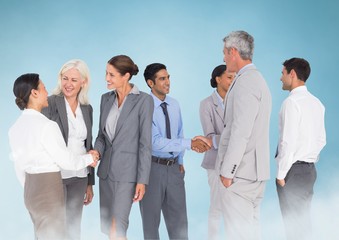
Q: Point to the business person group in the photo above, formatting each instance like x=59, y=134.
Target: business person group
x=140, y=148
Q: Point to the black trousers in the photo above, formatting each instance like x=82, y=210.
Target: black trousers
x=295, y=200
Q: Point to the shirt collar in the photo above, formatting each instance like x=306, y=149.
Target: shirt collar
x=157, y=101
x=220, y=99
x=31, y=111
x=299, y=89
x=134, y=90
x=244, y=68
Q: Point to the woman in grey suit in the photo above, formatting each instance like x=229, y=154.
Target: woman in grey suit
x=124, y=145
x=69, y=107
x=211, y=117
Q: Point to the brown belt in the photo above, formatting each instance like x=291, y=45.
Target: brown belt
x=165, y=161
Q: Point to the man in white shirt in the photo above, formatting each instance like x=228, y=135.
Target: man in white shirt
x=302, y=137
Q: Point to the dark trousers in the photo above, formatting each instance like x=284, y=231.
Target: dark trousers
x=295, y=200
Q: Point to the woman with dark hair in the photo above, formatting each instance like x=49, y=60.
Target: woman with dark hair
x=124, y=145
x=39, y=151
x=211, y=118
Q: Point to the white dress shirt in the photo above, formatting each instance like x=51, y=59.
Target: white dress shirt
x=37, y=146
x=77, y=134
x=301, y=128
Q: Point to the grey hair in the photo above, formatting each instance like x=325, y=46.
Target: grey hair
x=81, y=66
x=242, y=41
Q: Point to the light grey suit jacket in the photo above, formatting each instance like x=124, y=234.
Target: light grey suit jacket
x=56, y=111
x=212, y=122
x=127, y=158
x=244, y=143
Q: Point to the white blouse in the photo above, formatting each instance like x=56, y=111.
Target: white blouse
x=37, y=146
x=77, y=134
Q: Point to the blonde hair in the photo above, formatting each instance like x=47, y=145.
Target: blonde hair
x=81, y=66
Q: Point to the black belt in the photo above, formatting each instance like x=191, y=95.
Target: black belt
x=302, y=162
x=164, y=161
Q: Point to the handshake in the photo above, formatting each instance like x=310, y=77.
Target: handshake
x=96, y=157
x=201, y=144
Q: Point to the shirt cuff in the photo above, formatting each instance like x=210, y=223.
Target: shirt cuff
x=187, y=143
x=281, y=174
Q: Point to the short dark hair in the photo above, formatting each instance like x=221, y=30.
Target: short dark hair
x=22, y=88
x=151, y=70
x=217, y=72
x=300, y=66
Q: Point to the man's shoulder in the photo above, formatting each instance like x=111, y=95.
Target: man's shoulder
x=171, y=100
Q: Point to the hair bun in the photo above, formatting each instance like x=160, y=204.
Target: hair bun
x=20, y=103
x=135, y=70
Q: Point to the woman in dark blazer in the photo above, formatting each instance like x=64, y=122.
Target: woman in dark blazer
x=69, y=107
x=124, y=144
x=211, y=118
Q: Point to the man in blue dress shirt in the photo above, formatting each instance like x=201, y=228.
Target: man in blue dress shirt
x=166, y=189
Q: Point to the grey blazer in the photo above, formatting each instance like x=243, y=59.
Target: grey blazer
x=56, y=111
x=212, y=122
x=244, y=143
x=127, y=158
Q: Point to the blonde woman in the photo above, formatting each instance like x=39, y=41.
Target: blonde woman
x=70, y=108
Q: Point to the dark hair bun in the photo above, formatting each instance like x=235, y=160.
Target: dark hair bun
x=135, y=70
x=20, y=103
x=22, y=88
x=217, y=72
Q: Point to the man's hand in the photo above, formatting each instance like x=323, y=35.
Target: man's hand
x=226, y=181
x=281, y=182
x=181, y=168
x=199, y=145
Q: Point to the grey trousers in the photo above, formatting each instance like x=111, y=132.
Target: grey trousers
x=74, y=190
x=165, y=192
x=295, y=200
x=44, y=199
x=240, y=204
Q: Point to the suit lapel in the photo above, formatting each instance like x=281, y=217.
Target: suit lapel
x=86, y=117
x=106, y=109
x=61, y=106
x=252, y=67
x=217, y=107
x=129, y=104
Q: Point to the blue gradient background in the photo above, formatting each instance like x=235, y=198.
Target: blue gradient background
x=39, y=36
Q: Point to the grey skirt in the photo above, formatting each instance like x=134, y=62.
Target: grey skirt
x=44, y=200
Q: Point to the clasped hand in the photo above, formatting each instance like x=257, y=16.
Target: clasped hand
x=96, y=157
x=201, y=144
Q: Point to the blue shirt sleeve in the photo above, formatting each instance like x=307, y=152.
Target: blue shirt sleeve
x=161, y=145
